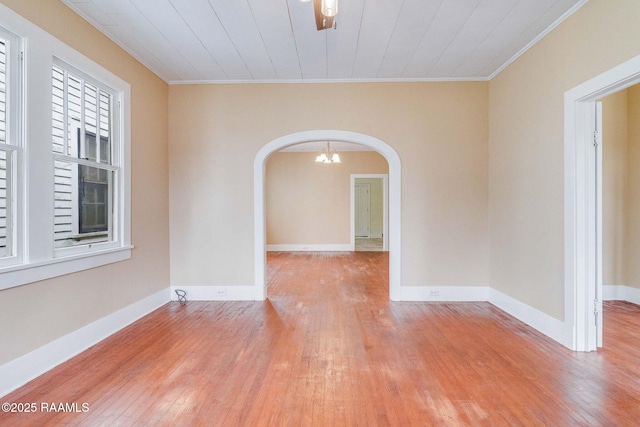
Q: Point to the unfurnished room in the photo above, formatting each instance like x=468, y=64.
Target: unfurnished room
x=319, y=212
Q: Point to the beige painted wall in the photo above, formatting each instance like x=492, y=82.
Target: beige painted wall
x=526, y=173
x=633, y=200
x=35, y=314
x=308, y=202
x=439, y=131
x=621, y=188
x=376, y=205
x=614, y=188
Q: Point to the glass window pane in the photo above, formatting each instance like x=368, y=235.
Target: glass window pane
x=94, y=199
x=83, y=196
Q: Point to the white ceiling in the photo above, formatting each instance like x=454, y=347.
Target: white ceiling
x=276, y=40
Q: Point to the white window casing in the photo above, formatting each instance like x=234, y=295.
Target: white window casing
x=11, y=149
x=31, y=168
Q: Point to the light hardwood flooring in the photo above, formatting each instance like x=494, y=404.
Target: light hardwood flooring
x=328, y=348
x=368, y=245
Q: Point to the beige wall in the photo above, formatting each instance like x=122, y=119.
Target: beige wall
x=35, y=314
x=614, y=188
x=621, y=188
x=633, y=200
x=526, y=173
x=308, y=202
x=439, y=131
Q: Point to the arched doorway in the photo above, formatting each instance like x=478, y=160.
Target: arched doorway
x=376, y=144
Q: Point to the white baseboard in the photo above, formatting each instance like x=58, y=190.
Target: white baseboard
x=25, y=368
x=338, y=247
x=444, y=293
x=217, y=293
x=20, y=371
x=542, y=322
x=621, y=293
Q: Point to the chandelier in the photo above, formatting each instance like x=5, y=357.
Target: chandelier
x=328, y=156
x=325, y=12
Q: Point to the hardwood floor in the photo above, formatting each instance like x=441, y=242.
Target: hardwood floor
x=328, y=348
x=366, y=244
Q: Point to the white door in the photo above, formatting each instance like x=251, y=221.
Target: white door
x=598, y=298
x=362, y=210
x=593, y=294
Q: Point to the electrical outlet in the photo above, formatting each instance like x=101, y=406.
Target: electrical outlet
x=221, y=292
x=434, y=293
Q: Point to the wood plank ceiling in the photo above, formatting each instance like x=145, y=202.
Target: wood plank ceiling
x=276, y=40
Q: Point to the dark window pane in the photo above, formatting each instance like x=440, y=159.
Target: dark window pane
x=94, y=199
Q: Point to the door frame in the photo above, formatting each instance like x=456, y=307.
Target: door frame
x=582, y=204
x=259, y=290
x=385, y=208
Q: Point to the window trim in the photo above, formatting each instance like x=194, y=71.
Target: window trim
x=115, y=165
x=40, y=260
x=15, y=132
x=120, y=158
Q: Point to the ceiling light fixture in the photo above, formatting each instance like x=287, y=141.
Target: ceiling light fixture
x=329, y=8
x=328, y=156
x=325, y=12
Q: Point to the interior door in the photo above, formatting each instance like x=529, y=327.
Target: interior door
x=598, y=294
x=593, y=243
x=362, y=210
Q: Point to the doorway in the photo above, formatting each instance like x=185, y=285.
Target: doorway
x=583, y=203
x=369, y=221
x=620, y=246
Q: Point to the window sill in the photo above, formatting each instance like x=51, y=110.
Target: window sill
x=91, y=235
x=22, y=274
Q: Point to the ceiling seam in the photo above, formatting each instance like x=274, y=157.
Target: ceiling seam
x=426, y=30
x=453, y=39
x=196, y=36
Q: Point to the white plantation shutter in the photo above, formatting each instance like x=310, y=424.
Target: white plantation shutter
x=81, y=127
x=5, y=158
x=4, y=204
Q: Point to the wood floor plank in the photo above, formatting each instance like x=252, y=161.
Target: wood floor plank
x=328, y=348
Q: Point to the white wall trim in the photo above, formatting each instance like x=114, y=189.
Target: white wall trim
x=330, y=247
x=445, y=293
x=394, y=203
x=613, y=292
x=632, y=295
x=542, y=322
x=20, y=371
x=216, y=293
x=621, y=293
x=28, y=273
x=25, y=368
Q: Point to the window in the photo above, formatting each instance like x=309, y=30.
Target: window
x=9, y=148
x=69, y=162
x=82, y=143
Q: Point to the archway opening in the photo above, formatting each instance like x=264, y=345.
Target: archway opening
x=376, y=144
